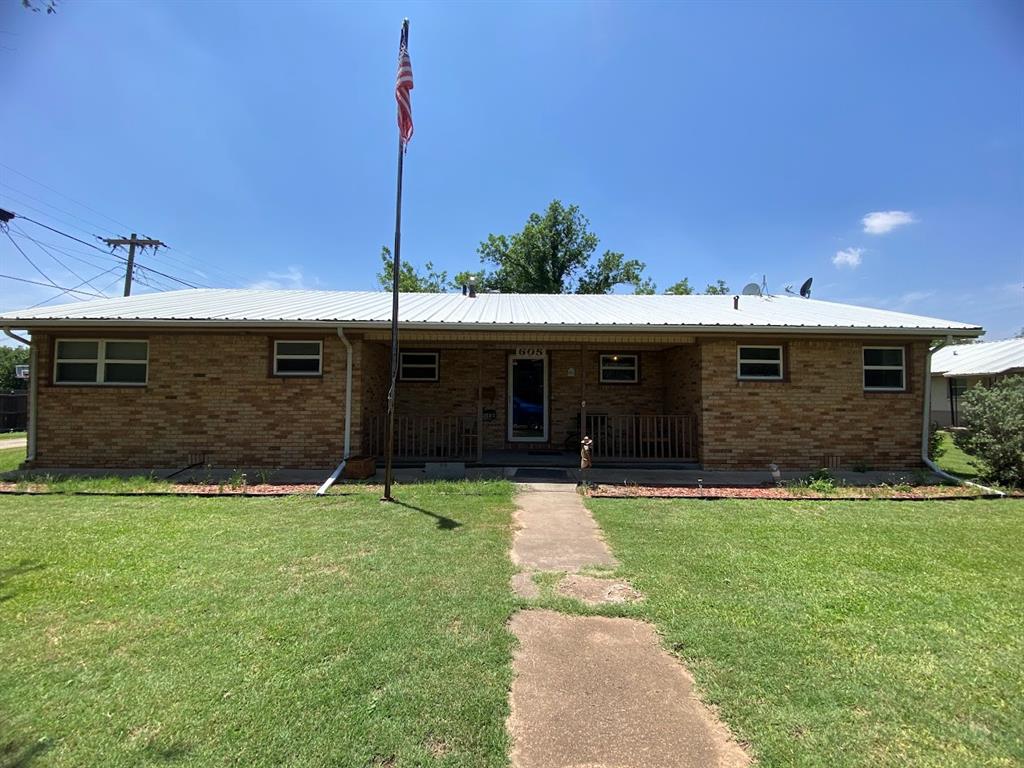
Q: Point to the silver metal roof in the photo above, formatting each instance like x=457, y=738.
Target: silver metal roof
x=983, y=358
x=214, y=306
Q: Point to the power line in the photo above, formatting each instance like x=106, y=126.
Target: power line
x=66, y=197
x=65, y=234
x=51, y=205
x=61, y=263
x=68, y=290
x=28, y=258
x=50, y=285
x=171, y=277
x=69, y=253
x=23, y=204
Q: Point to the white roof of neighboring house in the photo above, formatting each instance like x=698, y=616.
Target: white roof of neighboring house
x=230, y=307
x=983, y=358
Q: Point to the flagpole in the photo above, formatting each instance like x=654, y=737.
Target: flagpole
x=396, y=270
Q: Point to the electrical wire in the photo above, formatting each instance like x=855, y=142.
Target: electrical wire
x=92, y=224
x=61, y=263
x=66, y=197
x=29, y=259
x=68, y=290
x=50, y=285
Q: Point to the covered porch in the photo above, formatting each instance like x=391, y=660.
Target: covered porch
x=528, y=401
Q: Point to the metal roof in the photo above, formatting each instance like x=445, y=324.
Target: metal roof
x=224, y=307
x=983, y=358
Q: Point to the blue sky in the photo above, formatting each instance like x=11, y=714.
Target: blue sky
x=708, y=140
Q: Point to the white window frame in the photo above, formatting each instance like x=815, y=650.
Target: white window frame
x=402, y=365
x=319, y=357
x=636, y=368
x=740, y=360
x=902, y=368
x=101, y=361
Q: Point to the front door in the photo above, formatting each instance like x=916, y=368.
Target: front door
x=528, y=398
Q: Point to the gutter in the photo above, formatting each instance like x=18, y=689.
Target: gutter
x=347, y=450
x=718, y=328
x=926, y=426
x=33, y=386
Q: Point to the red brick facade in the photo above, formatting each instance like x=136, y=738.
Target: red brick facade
x=211, y=397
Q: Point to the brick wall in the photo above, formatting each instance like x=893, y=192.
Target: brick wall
x=209, y=394
x=820, y=414
x=212, y=395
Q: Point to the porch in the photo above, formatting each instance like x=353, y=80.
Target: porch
x=512, y=404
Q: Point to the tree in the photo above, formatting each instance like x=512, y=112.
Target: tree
x=409, y=280
x=993, y=429
x=614, y=269
x=10, y=357
x=552, y=254
x=718, y=288
x=682, y=288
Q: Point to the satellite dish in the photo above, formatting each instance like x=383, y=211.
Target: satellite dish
x=805, y=289
x=751, y=289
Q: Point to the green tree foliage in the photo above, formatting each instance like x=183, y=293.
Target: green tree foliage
x=409, y=279
x=682, y=288
x=718, y=288
x=553, y=254
x=10, y=357
x=993, y=422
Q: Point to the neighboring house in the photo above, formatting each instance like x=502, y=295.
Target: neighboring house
x=958, y=367
x=250, y=378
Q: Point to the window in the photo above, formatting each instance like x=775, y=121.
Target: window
x=101, y=361
x=418, y=366
x=298, y=358
x=619, y=369
x=883, y=369
x=759, y=362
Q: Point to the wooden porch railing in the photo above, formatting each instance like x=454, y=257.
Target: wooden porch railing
x=424, y=437
x=636, y=437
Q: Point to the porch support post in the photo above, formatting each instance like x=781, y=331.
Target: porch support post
x=583, y=391
x=479, y=403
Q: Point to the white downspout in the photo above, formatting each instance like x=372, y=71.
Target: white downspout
x=346, y=451
x=30, y=452
x=926, y=425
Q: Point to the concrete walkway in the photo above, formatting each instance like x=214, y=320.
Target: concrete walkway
x=555, y=532
x=590, y=691
x=18, y=442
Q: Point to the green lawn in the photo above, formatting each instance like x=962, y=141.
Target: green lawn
x=10, y=458
x=841, y=633
x=955, y=461
x=256, y=632
x=12, y=436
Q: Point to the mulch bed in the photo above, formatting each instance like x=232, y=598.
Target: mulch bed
x=917, y=493
x=177, y=489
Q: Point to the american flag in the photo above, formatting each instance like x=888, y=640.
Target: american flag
x=403, y=84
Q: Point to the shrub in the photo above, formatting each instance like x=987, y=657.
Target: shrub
x=993, y=429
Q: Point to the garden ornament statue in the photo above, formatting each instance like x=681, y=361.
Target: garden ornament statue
x=586, y=461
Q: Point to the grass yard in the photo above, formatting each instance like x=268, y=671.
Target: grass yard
x=256, y=632
x=955, y=461
x=12, y=436
x=841, y=633
x=10, y=458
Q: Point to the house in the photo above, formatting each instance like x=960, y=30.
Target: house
x=281, y=378
x=958, y=367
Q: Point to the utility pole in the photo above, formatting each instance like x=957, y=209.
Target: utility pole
x=131, y=242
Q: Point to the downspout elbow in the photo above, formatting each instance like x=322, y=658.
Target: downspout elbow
x=346, y=451
x=926, y=426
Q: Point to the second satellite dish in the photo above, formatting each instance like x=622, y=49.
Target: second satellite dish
x=751, y=289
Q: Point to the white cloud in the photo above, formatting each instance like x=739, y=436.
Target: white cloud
x=880, y=222
x=293, y=278
x=848, y=257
